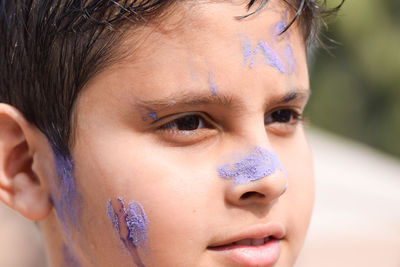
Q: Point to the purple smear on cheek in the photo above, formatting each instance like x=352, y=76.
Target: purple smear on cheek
x=271, y=57
x=69, y=258
x=65, y=197
x=211, y=83
x=112, y=216
x=257, y=164
x=130, y=223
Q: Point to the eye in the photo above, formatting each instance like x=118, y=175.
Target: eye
x=287, y=116
x=186, y=123
x=187, y=129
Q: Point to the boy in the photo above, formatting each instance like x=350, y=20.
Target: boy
x=158, y=133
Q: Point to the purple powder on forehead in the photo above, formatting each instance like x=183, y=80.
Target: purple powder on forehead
x=271, y=57
x=211, y=82
x=192, y=76
x=112, y=216
x=247, y=50
x=256, y=164
x=290, y=59
x=255, y=51
x=153, y=115
x=279, y=27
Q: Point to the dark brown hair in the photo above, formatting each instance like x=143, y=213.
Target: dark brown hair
x=50, y=49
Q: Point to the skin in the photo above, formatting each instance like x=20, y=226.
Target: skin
x=173, y=173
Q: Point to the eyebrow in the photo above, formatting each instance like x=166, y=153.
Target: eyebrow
x=190, y=99
x=227, y=100
x=298, y=94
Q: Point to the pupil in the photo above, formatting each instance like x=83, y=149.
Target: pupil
x=282, y=116
x=188, y=123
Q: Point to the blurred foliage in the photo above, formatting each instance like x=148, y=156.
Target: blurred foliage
x=356, y=92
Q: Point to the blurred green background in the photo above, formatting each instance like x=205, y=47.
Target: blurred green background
x=356, y=92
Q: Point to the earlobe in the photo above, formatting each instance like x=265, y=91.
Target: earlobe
x=20, y=187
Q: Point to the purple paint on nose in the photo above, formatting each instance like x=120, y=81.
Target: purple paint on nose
x=256, y=164
x=271, y=57
x=211, y=82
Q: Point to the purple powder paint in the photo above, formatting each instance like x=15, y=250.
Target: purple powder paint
x=279, y=27
x=290, y=59
x=65, y=197
x=257, y=164
x=69, y=258
x=112, y=216
x=153, y=115
x=255, y=51
x=192, y=76
x=134, y=220
x=271, y=57
x=247, y=50
x=211, y=82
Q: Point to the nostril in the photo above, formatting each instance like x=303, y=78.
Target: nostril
x=252, y=194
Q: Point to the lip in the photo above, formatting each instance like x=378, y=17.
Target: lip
x=265, y=255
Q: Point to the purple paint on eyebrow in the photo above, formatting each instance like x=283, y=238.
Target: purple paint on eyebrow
x=271, y=57
x=153, y=115
x=256, y=164
x=211, y=82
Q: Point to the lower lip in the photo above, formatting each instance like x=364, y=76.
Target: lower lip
x=265, y=255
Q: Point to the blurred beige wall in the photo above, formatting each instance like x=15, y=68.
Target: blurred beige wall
x=356, y=220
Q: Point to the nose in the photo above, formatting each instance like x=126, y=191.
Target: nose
x=256, y=178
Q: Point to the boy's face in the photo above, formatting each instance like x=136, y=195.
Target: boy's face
x=204, y=98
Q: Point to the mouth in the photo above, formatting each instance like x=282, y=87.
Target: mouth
x=258, y=246
x=247, y=242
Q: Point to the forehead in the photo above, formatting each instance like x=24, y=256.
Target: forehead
x=196, y=27
x=202, y=42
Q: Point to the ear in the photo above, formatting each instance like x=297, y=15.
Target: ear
x=21, y=188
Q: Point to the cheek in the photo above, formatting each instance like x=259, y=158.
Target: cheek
x=299, y=197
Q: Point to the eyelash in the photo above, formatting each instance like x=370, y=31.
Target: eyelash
x=198, y=121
